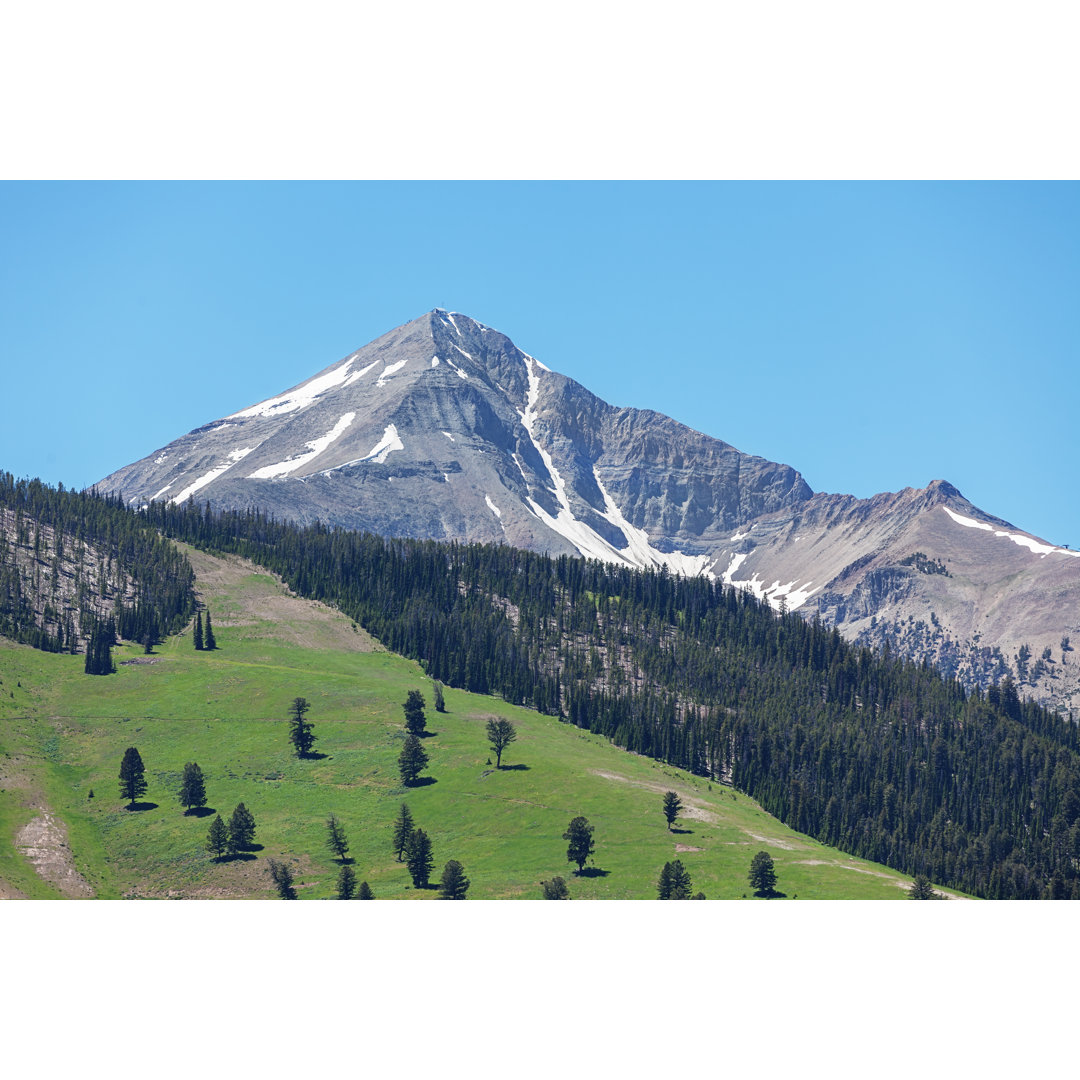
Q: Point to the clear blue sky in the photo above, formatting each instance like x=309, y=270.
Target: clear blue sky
x=873, y=335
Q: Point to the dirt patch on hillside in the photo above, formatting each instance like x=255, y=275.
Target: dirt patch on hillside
x=689, y=810
x=785, y=844
x=44, y=842
x=9, y=892
x=687, y=847
x=251, y=603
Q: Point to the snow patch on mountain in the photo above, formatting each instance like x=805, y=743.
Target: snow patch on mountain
x=435, y=361
x=315, y=448
x=492, y=507
x=298, y=398
x=209, y=477
x=389, y=370
x=1017, y=538
x=356, y=376
x=449, y=436
x=383, y=448
x=456, y=368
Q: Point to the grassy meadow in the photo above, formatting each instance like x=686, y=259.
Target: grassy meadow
x=63, y=734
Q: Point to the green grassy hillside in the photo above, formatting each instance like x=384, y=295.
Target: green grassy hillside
x=63, y=734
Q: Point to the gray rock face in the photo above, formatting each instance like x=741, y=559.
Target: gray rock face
x=444, y=429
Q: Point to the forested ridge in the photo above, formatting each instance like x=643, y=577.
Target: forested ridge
x=869, y=752
x=74, y=566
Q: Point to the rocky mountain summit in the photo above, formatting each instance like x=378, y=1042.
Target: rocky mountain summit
x=444, y=429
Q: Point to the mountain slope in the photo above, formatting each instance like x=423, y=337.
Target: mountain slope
x=444, y=429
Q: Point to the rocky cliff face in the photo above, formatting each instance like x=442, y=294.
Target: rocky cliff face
x=444, y=429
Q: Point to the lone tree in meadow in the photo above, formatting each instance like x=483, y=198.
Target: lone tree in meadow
x=500, y=733
x=674, y=883
x=412, y=760
x=300, y=730
x=336, y=839
x=672, y=806
x=209, y=641
x=454, y=884
x=418, y=859
x=415, y=721
x=579, y=833
x=555, y=889
x=403, y=829
x=283, y=879
x=440, y=701
x=346, y=883
x=921, y=889
x=217, y=838
x=132, y=776
x=364, y=892
x=192, y=788
x=242, y=828
x=762, y=874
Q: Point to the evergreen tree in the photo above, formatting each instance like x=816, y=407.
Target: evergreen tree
x=440, y=701
x=364, y=892
x=99, y=659
x=663, y=885
x=242, y=828
x=132, y=776
x=418, y=858
x=336, y=839
x=500, y=733
x=679, y=879
x=412, y=760
x=555, y=889
x=579, y=833
x=403, y=829
x=415, y=721
x=217, y=838
x=209, y=641
x=762, y=874
x=346, y=882
x=921, y=889
x=672, y=806
x=192, y=787
x=283, y=879
x=454, y=884
x=300, y=730
x=198, y=635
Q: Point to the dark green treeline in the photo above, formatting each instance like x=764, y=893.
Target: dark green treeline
x=878, y=756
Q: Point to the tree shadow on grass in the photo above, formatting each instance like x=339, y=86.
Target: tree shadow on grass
x=428, y=734
x=591, y=871
x=772, y=894
x=312, y=755
x=141, y=806
x=250, y=847
x=513, y=768
x=241, y=856
x=421, y=781
x=683, y=832
x=199, y=811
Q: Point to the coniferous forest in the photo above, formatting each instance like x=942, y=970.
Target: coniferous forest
x=76, y=570
x=869, y=752
x=866, y=751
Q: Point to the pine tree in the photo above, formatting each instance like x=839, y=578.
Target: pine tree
x=336, y=840
x=403, y=829
x=99, y=659
x=454, y=884
x=762, y=874
x=440, y=701
x=412, y=760
x=242, y=828
x=679, y=879
x=364, y=892
x=663, y=885
x=921, y=889
x=672, y=806
x=579, y=833
x=192, y=787
x=555, y=889
x=209, y=641
x=301, y=730
x=500, y=733
x=418, y=858
x=217, y=838
x=198, y=636
x=415, y=721
x=132, y=776
x=346, y=883
x=283, y=879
